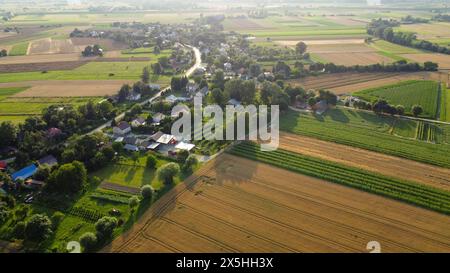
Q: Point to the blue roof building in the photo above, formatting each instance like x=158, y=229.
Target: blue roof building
x=25, y=172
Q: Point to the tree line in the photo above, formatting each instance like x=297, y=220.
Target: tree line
x=383, y=29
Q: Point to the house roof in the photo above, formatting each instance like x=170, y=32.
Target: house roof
x=24, y=173
x=119, y=139
x=165, y=138
x=156, y=135
x=49, y=160
x=130, y=147
x=130, y=140
x=153, y=145
x=158, y=116
x=3, y=164
x=184, y=146
x=52, y=132
x=140, y=120
x=177, y=113
x=234, y=102
x=123, y=125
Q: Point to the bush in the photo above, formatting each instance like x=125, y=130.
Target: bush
x=182, y=155
x=105, y=226
x=168, y=171
x=151, y=162
x=4, y=213
x=19, y=230
x=57, y=218
x=190, y=162
x=147, y=192
x=88, y=241
x=38, y=228
x=133, y=201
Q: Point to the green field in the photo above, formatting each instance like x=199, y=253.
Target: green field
x=445, y=104
x=9, y=91
x=19, y=49
x=369, y=131
x=145, y=52
x=17, y=110
x=89, y=71
x=407, y=191
x=408, y=94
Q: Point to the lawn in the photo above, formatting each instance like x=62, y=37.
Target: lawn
x=126, y=172
x=408, y=94
x=407, y=191
x=89, y=71
x=19, y=49
x=369, y=131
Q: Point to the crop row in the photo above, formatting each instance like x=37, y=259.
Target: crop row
x=110, y=198
x=407, y=191
x=366, y=132
x=86, y=214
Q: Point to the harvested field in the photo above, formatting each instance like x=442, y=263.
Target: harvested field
x=238, y=205
x=62, y=88
x=50, y=46
x=10, y=68
x=376, y=162
x=42, y=58
x=354, y=58
x=442, y=59
x=323, y=42
x=344, y=83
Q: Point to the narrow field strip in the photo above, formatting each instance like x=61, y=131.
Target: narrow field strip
x=406, y=191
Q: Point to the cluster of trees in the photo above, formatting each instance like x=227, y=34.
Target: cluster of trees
x=90, y=150
x=382, y=106
x=32, y=137
x=139, y=87
x=159, y=67
x=95, y=50
x=179, y=83
x=414, y=20
x=384, y=29
x=71, y=120
x=442, y=17
x=3, y=53
x=104, y=228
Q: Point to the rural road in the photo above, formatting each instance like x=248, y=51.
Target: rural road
x=188, y=73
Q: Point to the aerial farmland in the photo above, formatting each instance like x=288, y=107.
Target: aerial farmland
x=92, y=96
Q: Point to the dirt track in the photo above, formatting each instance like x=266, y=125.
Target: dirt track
x=372, y=161
x=236, y=205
